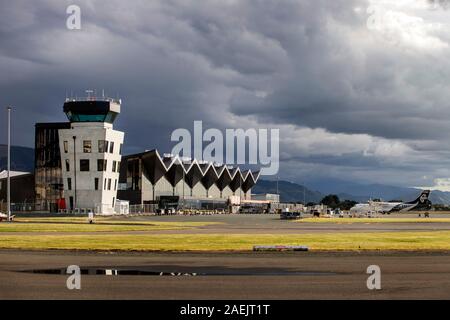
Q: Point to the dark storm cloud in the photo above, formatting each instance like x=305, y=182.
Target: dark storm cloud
x=344, y=81
x=378, y=97
x=435, y=4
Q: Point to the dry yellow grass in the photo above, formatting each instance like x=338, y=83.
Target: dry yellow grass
x=230, y=242
x=375, y=220
x=101, y=224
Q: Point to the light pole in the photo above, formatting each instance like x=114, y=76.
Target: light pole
x=184, y=178
x=8, y=182
x=74, y=172
x=304, y=194
x=277, y=186
x=240, y=188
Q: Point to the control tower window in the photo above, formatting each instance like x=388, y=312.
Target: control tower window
x=101, y=165
x=84, y=165
x=87, y=146
x=91, y=111
x=102, y=146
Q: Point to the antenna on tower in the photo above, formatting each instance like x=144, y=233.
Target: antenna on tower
x=89, y=92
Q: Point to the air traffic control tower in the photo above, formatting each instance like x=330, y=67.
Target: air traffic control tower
x=91, y=154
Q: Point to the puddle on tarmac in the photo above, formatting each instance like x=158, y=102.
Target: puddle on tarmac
x=182, y=271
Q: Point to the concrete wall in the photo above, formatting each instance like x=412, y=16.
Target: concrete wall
x=199, y=191
x=214, y=192
x=86, y=195
x=163, y=188
x=226, y=193
x=179, y=189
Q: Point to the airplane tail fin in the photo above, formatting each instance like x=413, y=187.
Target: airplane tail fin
x=422, y=199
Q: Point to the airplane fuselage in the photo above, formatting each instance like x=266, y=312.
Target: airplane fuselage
x=421, y=203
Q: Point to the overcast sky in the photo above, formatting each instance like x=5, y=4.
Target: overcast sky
x=360, y=90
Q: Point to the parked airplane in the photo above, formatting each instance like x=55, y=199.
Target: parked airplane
x=421, y=203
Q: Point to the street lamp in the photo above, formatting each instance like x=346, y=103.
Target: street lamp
x=74, y=172
x=184, y=178
x=8, y=182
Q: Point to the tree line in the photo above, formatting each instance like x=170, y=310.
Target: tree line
x=332, y=201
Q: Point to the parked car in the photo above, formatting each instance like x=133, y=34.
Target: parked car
x=290, y=215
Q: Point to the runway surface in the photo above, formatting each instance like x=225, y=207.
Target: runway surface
x=225, y=275
x=286, y=275
x=272, y=224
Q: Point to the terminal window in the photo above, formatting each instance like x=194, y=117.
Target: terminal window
x=84, y=165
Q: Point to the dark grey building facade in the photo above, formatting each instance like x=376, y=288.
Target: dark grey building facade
x=48, y=171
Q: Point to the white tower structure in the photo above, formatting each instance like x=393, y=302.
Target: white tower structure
x=91, y=154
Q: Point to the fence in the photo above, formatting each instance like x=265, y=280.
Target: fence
x=143, y=208
x=20, y=207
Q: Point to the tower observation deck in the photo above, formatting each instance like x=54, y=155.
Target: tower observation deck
x=92, y=109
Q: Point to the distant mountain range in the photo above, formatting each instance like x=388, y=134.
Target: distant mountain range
x=363, y=192
x=289, y=191
x=22, y=158
x=293, y=192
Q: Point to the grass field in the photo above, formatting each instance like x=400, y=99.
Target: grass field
x=101, y=225
x=439, y=240
x=375, y=220
x=105, y=235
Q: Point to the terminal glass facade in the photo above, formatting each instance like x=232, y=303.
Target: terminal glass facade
x=48, y=169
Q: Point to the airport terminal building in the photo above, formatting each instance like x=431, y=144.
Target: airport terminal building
x=149, y=178
x=79, y=167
